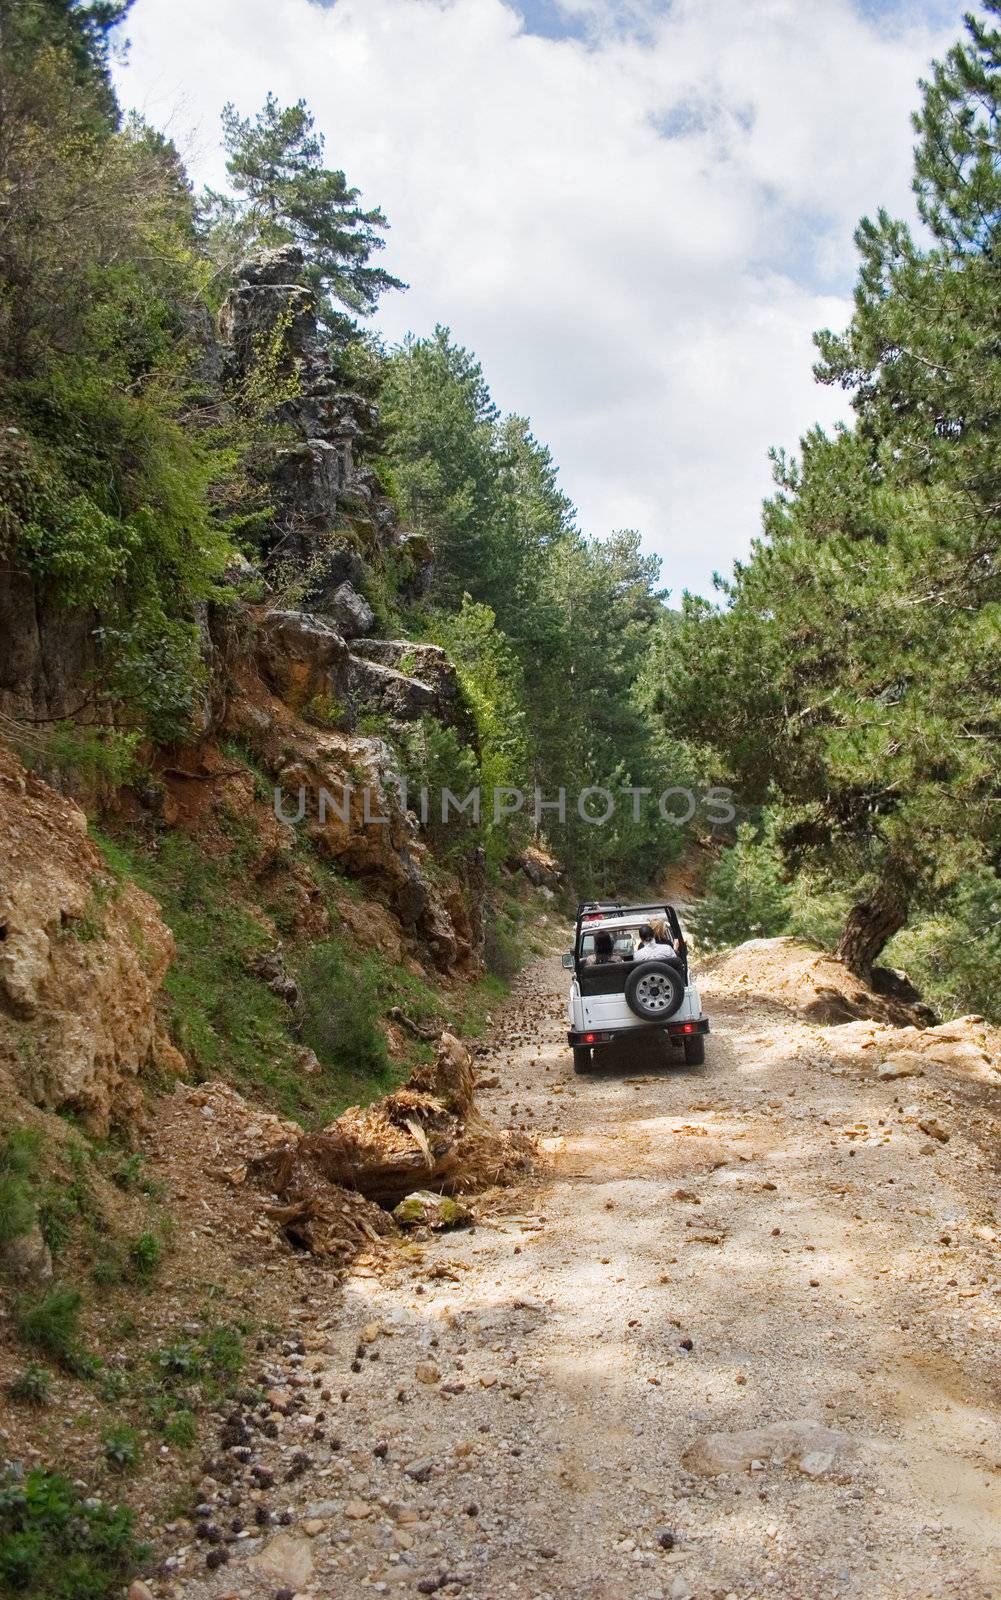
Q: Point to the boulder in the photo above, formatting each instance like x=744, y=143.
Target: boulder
x=285, y=1559
x=270, y=967
x=806, y=1443
x=301, y=656
x=439, y=1212
x=429, y=664
x=902, y=1064
x=372, y=926
x=386, y=692
x=540, y=868
x=349, y=611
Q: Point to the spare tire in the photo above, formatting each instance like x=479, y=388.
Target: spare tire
x=655, y=990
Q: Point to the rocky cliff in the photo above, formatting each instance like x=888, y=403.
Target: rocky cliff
x=295, y=675
x=82, y=959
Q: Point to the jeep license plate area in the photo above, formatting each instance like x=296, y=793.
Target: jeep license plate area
x=674, y=1030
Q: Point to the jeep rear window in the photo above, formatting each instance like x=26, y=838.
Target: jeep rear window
x=624, y=943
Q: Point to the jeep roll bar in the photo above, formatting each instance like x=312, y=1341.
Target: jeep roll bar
x=598, y=908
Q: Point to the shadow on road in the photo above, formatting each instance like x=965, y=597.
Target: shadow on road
x=650, y=1051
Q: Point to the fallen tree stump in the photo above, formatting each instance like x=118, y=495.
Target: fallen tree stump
x=427, y=1134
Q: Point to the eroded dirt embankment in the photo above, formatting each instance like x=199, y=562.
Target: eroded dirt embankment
x=528, y=1409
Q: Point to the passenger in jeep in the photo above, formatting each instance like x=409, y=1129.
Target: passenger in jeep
x=654, y=945
x=604, y=952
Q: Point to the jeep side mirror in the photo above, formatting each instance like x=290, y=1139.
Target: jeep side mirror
x=568, y=961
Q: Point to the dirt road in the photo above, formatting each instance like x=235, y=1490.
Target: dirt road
x=760, y=1241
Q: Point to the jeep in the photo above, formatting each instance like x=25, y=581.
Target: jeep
x=613, y=998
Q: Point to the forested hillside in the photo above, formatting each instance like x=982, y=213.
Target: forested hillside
x=849, y=676
x=137, y=466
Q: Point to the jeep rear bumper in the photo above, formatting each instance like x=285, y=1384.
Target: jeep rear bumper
x=677, y=1030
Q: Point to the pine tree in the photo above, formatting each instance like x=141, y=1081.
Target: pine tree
x=856, y=668
x=285, y=194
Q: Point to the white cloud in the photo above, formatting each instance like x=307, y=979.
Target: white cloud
x=648, y=299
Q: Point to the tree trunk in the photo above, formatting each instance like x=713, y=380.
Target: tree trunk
x=869, y=926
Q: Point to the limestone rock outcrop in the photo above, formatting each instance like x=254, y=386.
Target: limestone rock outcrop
x=349, y=611
x=82, y=960
x=427, y=664
x=330, y=506
x=302, y=656
x=386, y=692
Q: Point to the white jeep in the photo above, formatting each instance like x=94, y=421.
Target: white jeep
x=614, y=996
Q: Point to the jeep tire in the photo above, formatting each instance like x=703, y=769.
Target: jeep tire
x=655, y=990
x=695, y=1049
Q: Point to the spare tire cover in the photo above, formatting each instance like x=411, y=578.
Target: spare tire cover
x=655, y=990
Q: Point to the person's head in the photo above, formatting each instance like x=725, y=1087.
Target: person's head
x=603, y=945
x=646, y=933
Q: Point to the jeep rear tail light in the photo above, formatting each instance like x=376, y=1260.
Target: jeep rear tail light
x=589, y=1038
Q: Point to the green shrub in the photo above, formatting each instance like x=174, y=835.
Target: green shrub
x=437, y=758
x=32, y=1387
x=504, y=950
x=56, y=1545
x=122, y=1447
x=17, y=1208
x=342, y=1010
x=111, y=1385
x=181, y=1429
x=324, y=711
x=217, y=1355
x=108, y=1267
x=91, y=753
x=224, y=1018
x=953, y=954
x=18, y=1159
x=62, y=1201
x=51, y=1324
x=128, y=1172
x=745, y=895
x=145, y=1256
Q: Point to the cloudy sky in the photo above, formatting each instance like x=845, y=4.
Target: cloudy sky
x=634, y=211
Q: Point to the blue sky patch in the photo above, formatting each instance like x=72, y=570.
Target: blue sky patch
x=548, y=20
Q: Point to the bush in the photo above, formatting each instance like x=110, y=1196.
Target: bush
x=342, y=1010
x=95, y=754
x=145, y=1255
x=222, y=1016
x=51, y=1324
x=128, y=1173
x=437, y=758
x=217, y=1357
x=18, y=1157
x=32, y=1387
x=122, y=1447
x=56, y=1545
x=181, y=1429
x=745, y=896
x=504, y=948
x=954, y=954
